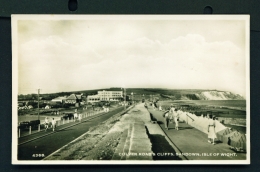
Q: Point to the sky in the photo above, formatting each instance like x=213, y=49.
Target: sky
x=72, y=55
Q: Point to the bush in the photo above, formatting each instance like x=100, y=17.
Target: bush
x=56, y=104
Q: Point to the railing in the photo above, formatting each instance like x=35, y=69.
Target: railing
x=58, y=122
x=190, y=117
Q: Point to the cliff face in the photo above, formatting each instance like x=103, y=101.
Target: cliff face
x=217, y=95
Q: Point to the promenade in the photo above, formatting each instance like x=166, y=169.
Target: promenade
x=192, y=143
x=145, y=138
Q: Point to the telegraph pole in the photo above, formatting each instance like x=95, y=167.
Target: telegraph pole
x=38, y=105
x=125, y=98
x=132, y=98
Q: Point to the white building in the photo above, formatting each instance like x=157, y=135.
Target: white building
x=110, y=95
x=59, y=99
x=106, y=96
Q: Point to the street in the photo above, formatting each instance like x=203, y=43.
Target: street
x=40, y=148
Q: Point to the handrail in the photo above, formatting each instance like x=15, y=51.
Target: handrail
x=190, y=117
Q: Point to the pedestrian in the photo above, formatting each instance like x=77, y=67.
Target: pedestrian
x=176, y=119
x=166, y=116
x=211, y=130
x=79, y=117
x=53, y=124
x=75, y=116
x=160, y=108
x=46, y=123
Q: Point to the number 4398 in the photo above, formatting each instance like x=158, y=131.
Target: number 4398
x=38, y=155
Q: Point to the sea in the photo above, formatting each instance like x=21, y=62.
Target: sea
x=227, y=103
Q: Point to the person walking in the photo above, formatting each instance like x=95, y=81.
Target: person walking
x=160, y=107
x=75, y=116
x=53, y=124
x=166, y=119
x=79, y=117
x=168, y=116
x=211, y=130
x=153, y=105
x=46, y=123
x=176, y=119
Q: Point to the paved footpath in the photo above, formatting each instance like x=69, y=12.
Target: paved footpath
x=190, y=140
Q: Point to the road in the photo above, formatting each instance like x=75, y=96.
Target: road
x=50, y=143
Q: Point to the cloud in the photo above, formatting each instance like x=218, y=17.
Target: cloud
x=183, y=62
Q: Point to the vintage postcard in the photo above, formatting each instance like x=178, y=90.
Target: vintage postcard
x=130, y=89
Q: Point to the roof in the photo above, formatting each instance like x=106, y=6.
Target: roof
x=72, y=97
x=93, y=96
x=78, y=96
x=59, y=98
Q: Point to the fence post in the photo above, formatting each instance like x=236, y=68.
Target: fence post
x=19, y=133
x=68, y=119
x=63, y=121
x=39, y=127
x=30, y=130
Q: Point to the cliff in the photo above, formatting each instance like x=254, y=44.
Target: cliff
x=216, y=95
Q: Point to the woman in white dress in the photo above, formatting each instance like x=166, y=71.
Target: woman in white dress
x=79, y=117
x=176, y=119
x=53, y=124
x=211, y=130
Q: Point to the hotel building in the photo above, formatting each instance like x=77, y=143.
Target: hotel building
x=106, y=96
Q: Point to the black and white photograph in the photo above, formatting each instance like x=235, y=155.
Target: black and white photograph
x=130, y=89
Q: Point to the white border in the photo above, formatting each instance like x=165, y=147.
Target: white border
x=14, y=21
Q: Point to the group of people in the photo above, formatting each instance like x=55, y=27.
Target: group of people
x=77, y=116
x=171, y=115
x=174, y=115
x=106, y=109
x=46, y=124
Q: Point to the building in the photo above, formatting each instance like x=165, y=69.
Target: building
x=59, y=99
x=106, y=96
x=110, y=95
x=94, y=98
x=73, y=99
